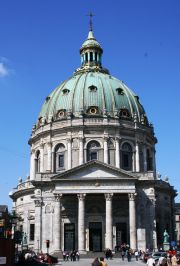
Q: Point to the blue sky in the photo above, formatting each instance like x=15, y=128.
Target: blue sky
x=39, y=48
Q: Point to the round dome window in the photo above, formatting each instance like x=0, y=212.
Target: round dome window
x=93, y=110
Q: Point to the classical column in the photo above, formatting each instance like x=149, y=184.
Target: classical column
x=105, y=150
x=117, y=153
x=137, y=157
x=81, y=153
x=57, y=222
x=81, y=222
x=132, y=221
x=41, y=148
x=109, y=236
x=145, y=157
x=38, y=225
x=153, y=223
x=49, y=156
x=69, y=153
x=32, y=165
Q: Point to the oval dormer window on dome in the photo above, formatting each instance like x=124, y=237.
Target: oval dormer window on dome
x=65, y=91
x=61, y=113
x=124, y=113
x=120, y=91
x=92, y=88
x=93, y=110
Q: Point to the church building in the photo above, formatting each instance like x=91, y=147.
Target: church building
x=93, y=182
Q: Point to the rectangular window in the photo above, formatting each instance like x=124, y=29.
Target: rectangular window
x=31, y=236
x=61, y=160
x=93, y=155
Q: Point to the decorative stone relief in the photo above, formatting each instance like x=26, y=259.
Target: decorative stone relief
x=58, y=197
x=49, y=208
x=38, y=203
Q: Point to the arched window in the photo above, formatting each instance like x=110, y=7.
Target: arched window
x=126, y=157
x=93, y=148
x=149, y=161
x=37, y=162
x=60, y=157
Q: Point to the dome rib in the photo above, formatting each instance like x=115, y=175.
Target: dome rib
x=113, y=97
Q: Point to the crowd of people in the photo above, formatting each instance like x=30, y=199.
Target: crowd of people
x=72, y=256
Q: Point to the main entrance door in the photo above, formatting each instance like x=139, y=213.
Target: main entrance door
x=121, y=233
x=95, y=236
x=69, y=237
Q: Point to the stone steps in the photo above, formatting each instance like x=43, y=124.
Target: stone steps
x=89, y=254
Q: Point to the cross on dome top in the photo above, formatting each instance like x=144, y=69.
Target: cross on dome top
x=90, y=21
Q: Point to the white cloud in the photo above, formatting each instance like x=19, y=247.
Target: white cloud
x=3, y=70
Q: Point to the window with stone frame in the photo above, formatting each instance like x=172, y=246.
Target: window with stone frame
x=60, y=157
x=37, y=162
x=126, y=157
x=93, y=148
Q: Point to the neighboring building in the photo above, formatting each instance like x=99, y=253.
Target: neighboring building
x=93, y=181
x=5, y=223
x=177, y=221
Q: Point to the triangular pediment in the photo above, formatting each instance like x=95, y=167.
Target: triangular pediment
x=94, y=170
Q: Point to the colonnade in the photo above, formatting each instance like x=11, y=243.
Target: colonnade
x=82, y=156
x=81, y=222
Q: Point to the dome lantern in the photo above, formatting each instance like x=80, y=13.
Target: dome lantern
x=91, y=51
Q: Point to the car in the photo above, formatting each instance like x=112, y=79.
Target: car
x=158, y=254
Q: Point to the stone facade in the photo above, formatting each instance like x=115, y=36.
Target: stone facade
x=93, y=182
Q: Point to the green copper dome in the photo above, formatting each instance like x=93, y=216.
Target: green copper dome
x=92, y=91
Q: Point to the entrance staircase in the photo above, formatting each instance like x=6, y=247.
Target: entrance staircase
x=89, y=254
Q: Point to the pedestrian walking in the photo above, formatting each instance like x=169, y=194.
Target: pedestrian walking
x=136, y=254
x=150, y=261
x=96, y=262
x=174, y=260
x=103, y=263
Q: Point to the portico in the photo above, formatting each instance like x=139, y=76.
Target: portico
x=99, y=215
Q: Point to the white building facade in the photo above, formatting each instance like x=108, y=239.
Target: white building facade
x=93, y=182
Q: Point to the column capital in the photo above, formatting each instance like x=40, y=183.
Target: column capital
x=106, y=138
x=58, y=197
x=132, y=196
x=81, y=138
x=81, y=196
x=68, y=140
x=108, y=196
x=38, y=202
